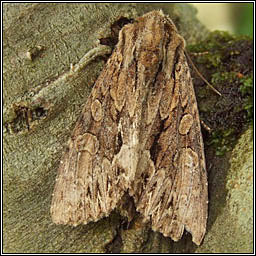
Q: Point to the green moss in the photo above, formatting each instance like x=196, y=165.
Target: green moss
x=246, y=89
x=222, y=140
x=226, y=61
x=223, y=77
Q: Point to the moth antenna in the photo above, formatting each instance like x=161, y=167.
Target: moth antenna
x=200, y=75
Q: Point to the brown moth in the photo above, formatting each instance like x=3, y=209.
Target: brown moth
x=139, y=133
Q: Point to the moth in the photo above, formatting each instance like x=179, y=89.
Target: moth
x=139, y=134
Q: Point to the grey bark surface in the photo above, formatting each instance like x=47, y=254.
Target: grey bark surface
x=43, y=97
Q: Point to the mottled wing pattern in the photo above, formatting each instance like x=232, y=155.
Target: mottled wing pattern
x=88, y=187
x=170, y=187
x=103, y=152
